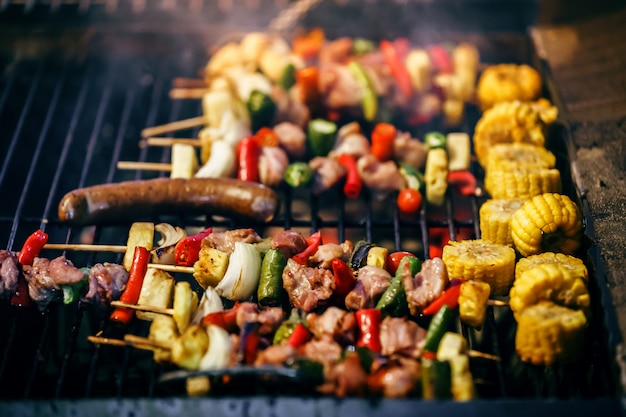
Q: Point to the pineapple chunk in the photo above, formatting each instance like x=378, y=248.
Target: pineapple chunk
x=163, y=330
x=210, y=267
x=184, y=161
x=156, y=291
x=473, y=298
x=140, y=234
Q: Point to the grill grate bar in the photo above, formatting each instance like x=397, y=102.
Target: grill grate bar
x=38, y=354
x=69, y=353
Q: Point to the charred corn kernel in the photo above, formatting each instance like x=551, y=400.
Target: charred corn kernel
x=436, y=176
x=156, y=291
x=575, y=265
x=377, y=256
x=507, y=122
x=548, y=333
x=210, y=267
x=139, y=234
x=547, y=223
x=522, y=183
x=184, y=161
x=547, y=112
x=473, y=297
x=518, y=155
x=495, y=220
x=459, y=151
x=481, y=261
x=507, y=82
x=163, y=330
x=551, y=282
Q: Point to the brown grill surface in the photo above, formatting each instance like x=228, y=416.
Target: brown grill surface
x=68, y=118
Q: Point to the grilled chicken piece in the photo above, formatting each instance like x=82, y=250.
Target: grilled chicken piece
x=63, y=271
x=307, y=287
x=9, y=272
x=338, y=86
x=225, y=241
x=289, y=242
x=336, y=323
x=350, y=140
x=292, y=138
x=273, y=162
x=427, y=285
x=380, y=176
x=269, y=318
x=325, y=254
x=328, y=172
x=400, y=336
x=346, y=378
x=336, y=51
x=44, y=277
x=410, y=151
x=275, y=355
x=105, y=283
x=325, y=351
x=290, y=109
x=395, y=379
x=371, y=283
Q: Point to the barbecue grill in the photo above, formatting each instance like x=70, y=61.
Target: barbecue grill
x=81, y=79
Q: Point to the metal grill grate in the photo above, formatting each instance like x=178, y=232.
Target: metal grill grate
x=65, y=124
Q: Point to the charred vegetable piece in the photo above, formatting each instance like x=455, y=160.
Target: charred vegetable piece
x=270, y=290
x=368, y=321
x=435, y=140
x=286, y=328
x=210, y=267
x=299, y=336
x=383, y=138
x=321, y=135
x=438, y=326
x=132, y=291
x=226, y=319
x=344, y=278
x=32, y=246
x=72, y=293
x=450, y=298
x=262, y=109
x=358, y=259
x=313, y=242
x=298, y=174
x=188, y=249
x=288, y=77
x=393, y=301
x=156, y=291
x=189, y=348
x=473, y=297
x=139, y=234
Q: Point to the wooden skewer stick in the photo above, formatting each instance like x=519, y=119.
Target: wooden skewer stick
x=173, y=126
x=137, y=340
x=144, y=166
x=477, y=354
x=130, y=340
x=86, y=247
x=182, y=82
x=497, y=303
x=160, y=141
x=142, y=307
x=173, y=268
x=188, y=93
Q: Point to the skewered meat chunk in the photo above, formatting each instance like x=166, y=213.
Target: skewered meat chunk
x=396, y=379
x=426, y=286
x=339, y=87
x=350, y=140
x=275, y=355
x=63, y=271
x=380, y=176
x=339, y=324
x=273, y=162
x=329, y=251
x=328, y=172
x=325, y=351
x=45, y=276
x=106, y=281
x=269, y=318
x=346, y=378
x=9, y=272
x=292, y=138
x=410, y=151
x=371, y=283
x=289, y=242
x=400, y=336
x=307, y=287
x=225, y=241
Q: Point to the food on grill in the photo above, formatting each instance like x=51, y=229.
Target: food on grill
x=436, y=176
x=547, y=223
x=139, y=234
x=549, y=333
x=473, y=298
x=115, y=203
x=425, y=287
x=507, y=82
x=9, y=272
x=519, y=155
x=575, y=265
x=459, y=151
x=495, y=220
x=505, y=183
x=479, y=260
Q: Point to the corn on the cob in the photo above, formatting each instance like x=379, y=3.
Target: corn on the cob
x=518, y=155
x=507, y=82
x=575, y=265
x=502, y=182
x=507, y=122
x=436, y=176
x=481, y=261
x=551, y=282
x=495, y=220
x=548, y=333
x=473, y=296
x=547, y=223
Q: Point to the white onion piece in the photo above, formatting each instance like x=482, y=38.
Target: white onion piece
x=221, y=163
x=209, y=303
x=218, y=353
x=242, y=276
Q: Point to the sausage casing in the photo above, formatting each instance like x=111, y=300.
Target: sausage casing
x=131, y=200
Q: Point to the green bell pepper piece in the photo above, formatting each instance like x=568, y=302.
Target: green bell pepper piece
x=439, y=325
x=321, y=136
x=369, y=98
x=434, y=140
x=261, y=108
x=393, y=301
x=436, y=380
x=270, y=289
x=298, y=174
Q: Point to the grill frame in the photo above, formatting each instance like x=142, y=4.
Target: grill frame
x=24, y=221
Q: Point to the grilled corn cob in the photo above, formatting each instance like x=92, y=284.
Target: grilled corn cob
x=502, y=182
x=507, y=122
x=495, y=220
x=518, y=155
x=473, y=296
x=547, y=223
x=481, y=261
x=551, y=282
x=507, y=82
x=548, y=333
x=575, y=265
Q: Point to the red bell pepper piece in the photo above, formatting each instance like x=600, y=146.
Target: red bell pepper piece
x=353, y=184
x=344, y=278
x=383, y=138
x=397, y=68
x=307, y=79
x=393, y=260
x=248, y=157
x=441, y=59
x=464, y=181
x=266, y=136
x=313, y=242
x=136, y=274
x=299, y=336
x=249, y=342
x=226, y=319
x=368, y=322
x=450, y=297
x=188, y=249
x=32, y=246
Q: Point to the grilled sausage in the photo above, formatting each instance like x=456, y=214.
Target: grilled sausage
x=126, y=201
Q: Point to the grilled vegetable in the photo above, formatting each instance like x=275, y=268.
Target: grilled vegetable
x=210, y=267
x=185, y=303
x=502, y=182
x=156, y=291
x=221, y=163
x=353, y=184
x=163, y=330
x=184, y=161
x=436, y=176
x=344, y=278
x=217, y=354
x=321, y=135
x=481, y=261
x=495, y=220
x=450, y=298
x=188, y=249
x=397, y=68
x=313, y=242
x=130, y=295
x=394, y=259
x=139, y=234
x=209, y=303
x=575, y=265
x=369, y=99
x=358, y=258
x=507, y=82
x=73, y=292
x=518, y=156
x=435, y=140
x=299, y=336
x=368, y=322
x=189, y=349
x=459, y=151
x=270, y=289
x=419, y=67
x=165, y=253
x=463, y=181
x=377, y=256
x=286, y=328
x=393, y=301
x=409, y=200
x=551, y=282
x=439, y=325
x=248, y=157
x=32, y=246
x=547, y=223
x=262, y=109
x=473, y=297
x=242, y=276
x=548, y=333
x=298, y=174
x=383, y=137
x=452, y=348
x=436, y=379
